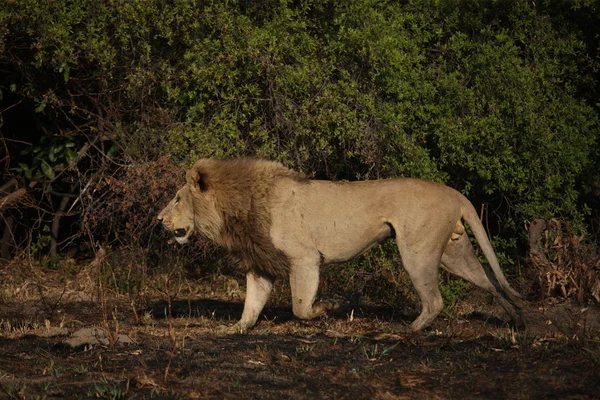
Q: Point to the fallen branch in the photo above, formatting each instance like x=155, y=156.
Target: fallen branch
x=11, y=198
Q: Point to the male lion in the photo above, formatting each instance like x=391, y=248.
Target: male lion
x=275, y=223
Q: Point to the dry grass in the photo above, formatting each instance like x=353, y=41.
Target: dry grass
x=178, y=349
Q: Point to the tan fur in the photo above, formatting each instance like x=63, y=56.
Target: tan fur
x=275, y=223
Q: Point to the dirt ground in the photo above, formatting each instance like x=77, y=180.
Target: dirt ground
x=360, y=352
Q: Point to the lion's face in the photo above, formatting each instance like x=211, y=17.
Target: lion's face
x=178, y=215
x=194, y=208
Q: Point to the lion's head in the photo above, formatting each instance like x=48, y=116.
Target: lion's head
x=192, y=209
x=229, y=202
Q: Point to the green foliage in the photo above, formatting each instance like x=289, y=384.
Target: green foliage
x=496, y=98
x=453, y=289
x=42, y=239
x=51, y=154
x=508, y=250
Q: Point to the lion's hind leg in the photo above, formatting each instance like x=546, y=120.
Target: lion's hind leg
x=423, y=271
x=304, y=282
x=459, y=259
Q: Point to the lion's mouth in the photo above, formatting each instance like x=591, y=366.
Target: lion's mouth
x=179, y=233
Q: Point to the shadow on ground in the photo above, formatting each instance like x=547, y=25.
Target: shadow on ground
x=359, y=352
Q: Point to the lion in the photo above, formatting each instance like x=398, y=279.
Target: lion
x=275, y=223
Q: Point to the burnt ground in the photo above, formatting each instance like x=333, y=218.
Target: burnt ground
x=361, y=352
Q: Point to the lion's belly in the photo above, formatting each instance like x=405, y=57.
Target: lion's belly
x=339, y=241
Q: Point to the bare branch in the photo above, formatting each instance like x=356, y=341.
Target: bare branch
x=8, y=185
x=11, y=198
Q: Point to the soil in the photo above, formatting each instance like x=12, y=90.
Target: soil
x=360, y=352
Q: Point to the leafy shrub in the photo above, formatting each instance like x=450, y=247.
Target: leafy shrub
x=125, y=211
x=495, y=99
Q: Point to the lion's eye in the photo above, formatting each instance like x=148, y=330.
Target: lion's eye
x=177, y=198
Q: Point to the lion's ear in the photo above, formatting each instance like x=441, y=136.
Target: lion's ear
x=197, y=178
x=201, y=182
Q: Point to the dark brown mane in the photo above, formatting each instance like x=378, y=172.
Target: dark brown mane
x=242, y=194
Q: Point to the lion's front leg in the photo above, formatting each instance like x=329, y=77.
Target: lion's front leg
x=258, y=289
x=304, y=282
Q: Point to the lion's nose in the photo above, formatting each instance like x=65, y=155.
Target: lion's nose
x=160, y=218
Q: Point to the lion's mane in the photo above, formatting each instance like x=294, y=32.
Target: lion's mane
x=241, y=194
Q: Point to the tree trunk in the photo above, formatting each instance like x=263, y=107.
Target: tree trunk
x=56, y=222
x=536, y=233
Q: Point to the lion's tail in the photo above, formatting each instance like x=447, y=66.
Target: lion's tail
x=471, y=217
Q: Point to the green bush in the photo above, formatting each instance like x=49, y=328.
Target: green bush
x=495, y=99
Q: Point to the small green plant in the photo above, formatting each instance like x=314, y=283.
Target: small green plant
x=56, y=370
x=41, y=241
x=109, y=390
x=54, y=263
x=147, y=318
x=453, y=289
x=512, y=338
x=16, y=391
x=305, y=349
x=81, y=369
x=356, y=338
x=46, y=387
x=375, y=352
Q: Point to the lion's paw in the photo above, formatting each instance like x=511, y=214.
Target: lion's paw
x=326, y=305
x=235, y=329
